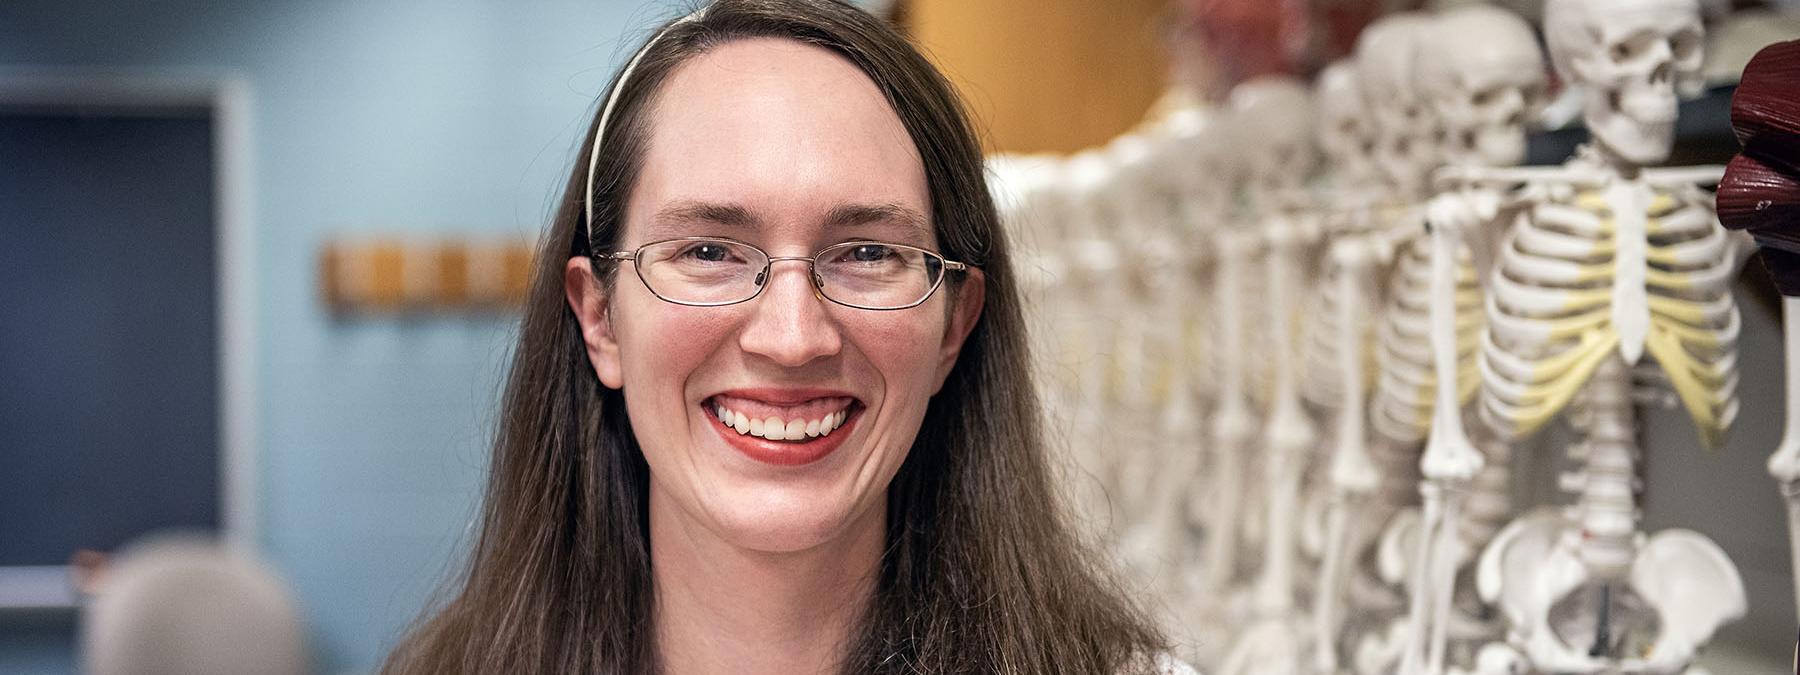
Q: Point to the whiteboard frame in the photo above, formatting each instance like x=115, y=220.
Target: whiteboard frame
x=227, y=96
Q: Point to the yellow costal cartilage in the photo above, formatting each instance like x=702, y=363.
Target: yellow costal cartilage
x=1593, y=273
x=1661, y=255
x=1467, y=342
x=1674, y=327
x=1688, y=338
x=1579, y=325
x=1666, y=280
x=1584, y=299
x=1553, y=395
x=1662, y=204
x=1660, y=207
x=1683, y=311
x=1695, y=395
x=1593, y=201
x=1469, y=319
x=1549, y=369
x=1468, y=382
x=1691, y=336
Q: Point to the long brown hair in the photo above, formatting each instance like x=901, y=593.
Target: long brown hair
x=982, y=571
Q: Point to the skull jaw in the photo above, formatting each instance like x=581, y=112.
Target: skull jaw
x=1500, y=146
x=1494, y=144
x=1344, y=149
x=1403, y=173
x=1406, y=159
x=1624, y=134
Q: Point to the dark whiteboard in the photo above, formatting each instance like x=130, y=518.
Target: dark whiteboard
x=108, y=330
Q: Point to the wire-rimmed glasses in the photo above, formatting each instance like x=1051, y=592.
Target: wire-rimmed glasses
x=712, y=271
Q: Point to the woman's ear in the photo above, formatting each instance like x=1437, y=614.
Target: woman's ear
x=592, y=310
x=969, y=298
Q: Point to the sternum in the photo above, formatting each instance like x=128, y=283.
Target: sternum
x=1630, y=203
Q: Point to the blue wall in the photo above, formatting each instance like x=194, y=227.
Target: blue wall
x=409, y=116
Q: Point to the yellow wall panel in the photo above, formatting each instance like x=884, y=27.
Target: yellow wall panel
x=1047, y=75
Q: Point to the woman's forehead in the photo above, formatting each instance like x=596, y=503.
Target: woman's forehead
x=785, y=130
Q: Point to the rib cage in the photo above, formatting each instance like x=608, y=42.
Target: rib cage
x=1550, y=321
x=1401, y=406
x=1321, y=383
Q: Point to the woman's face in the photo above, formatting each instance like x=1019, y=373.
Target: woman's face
x=791, y=148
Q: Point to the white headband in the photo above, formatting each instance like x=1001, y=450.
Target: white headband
x=612, y=98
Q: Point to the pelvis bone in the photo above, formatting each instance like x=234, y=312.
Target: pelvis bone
x=1680, y=588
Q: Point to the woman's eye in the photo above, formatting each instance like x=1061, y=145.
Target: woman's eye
x=707, y=252
x=868, y=253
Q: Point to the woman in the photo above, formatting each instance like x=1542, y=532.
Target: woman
x=770, y=411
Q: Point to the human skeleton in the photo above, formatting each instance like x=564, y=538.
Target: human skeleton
x=1277, y=112
x=1401, y=403
x=1481, y=79
x=1604, y=261
x=1459, y=304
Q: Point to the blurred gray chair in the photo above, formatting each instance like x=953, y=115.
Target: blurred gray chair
x=190, y=607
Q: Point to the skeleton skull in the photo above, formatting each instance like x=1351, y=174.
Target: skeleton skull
x=1482, y=74
x=1343, y=130
x=1386, y=54
x=1134, y=185
x=1194, y=159
x=1628, y=55
x=1277, y=113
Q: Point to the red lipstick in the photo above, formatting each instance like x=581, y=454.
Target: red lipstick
x=808, y=404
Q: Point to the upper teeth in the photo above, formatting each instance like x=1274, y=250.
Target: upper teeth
x=777, y=429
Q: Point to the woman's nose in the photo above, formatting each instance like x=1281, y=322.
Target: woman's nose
x=790, y=323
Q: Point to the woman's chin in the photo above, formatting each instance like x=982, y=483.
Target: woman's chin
x=783, y=521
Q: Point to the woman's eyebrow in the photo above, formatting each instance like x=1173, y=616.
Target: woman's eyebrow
x=844, y=215
x=681, y=216
x=685, y=213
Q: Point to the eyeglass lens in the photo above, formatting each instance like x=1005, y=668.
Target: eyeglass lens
x=870, y=275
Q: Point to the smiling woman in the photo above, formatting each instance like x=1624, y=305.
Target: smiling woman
x=803, y=438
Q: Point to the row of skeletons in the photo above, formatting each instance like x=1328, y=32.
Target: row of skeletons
x=1292, y=397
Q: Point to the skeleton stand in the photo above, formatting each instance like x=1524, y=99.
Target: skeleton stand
x=1784, y=465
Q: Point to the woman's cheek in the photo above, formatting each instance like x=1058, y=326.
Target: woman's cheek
x=664, y=346
x=905, y=346
x=671, y=341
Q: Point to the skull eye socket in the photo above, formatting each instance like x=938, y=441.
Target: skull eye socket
x=1535, y=95
x=1485, y=96
x=1685, y=45
x=1633, y=47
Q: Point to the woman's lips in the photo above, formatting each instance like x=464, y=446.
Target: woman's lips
x=810, y=448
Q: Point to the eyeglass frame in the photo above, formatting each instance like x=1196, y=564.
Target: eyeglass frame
x=812, y=268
